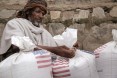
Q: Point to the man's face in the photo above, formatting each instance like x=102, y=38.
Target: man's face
x=37, y=16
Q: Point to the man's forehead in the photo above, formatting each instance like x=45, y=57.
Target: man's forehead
x=38, y=9
x=31, y=4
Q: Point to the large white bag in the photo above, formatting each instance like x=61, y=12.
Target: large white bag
x=26, y=64
x=106, y=58
x=80, y=66
x=68, y=37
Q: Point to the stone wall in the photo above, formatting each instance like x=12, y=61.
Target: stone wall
x=94, y=19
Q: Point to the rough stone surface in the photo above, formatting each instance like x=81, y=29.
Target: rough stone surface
x=99, y=36
x=55, y=14
x=22, y=2
x=83, y=14
x=113, y=12
x=7, y=13
x=81, y=35
x=67, y=15
x=95, y=1
x=58, y=1
x=12, y=2
x=55, y=28
x=98, y=13
x=78, y=1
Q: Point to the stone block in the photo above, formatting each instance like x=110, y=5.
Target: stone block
x=22, y=2
x=55, y=14
x=55, y=28
x=7, y=13
x=67, y=15
x=98, y=12
x=113, y=12
x=83, y=14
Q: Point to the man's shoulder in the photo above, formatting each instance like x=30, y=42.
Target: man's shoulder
x=14, y=20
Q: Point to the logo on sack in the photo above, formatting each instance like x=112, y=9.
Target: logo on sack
x=43, y=58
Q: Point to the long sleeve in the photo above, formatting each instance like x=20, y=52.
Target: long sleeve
x=12, y=29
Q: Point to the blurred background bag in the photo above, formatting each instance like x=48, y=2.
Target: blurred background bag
x=106, y=58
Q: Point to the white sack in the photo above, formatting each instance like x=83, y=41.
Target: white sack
x=106, y=58
x=59, y=40
x=24, y=43
x=80, y=66
x=68, y=37
x=26, y=64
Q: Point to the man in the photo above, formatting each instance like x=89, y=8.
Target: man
x=29, y=23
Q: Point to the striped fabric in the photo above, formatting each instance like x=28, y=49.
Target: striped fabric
x=61, y=69
x=98, y=50
x=43, y=58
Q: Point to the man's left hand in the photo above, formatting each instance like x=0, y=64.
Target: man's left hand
x=76, y=45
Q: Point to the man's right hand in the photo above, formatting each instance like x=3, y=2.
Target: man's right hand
x=64, y=51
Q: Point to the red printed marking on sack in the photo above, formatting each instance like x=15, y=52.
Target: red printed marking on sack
x=43, y=59
x=61, y=69
x=98, y=50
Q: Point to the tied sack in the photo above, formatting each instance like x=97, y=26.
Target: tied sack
x=68, y=37
x=80, y=66
x=26, y=63
x=106, y=58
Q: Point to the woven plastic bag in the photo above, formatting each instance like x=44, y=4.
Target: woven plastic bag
x=106, y=58
x=80, y=66
x=26, y=63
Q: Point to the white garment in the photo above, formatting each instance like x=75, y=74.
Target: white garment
x=22, y=27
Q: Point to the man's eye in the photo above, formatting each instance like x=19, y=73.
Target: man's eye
x=40, y=12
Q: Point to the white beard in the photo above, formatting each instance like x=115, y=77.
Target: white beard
x=35, y=22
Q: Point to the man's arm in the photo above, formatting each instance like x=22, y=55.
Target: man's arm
x=60, y=50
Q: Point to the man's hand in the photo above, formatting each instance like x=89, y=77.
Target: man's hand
x=76, y=45
x=64, y=51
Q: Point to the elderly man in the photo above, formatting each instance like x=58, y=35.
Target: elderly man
x=28, y=22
